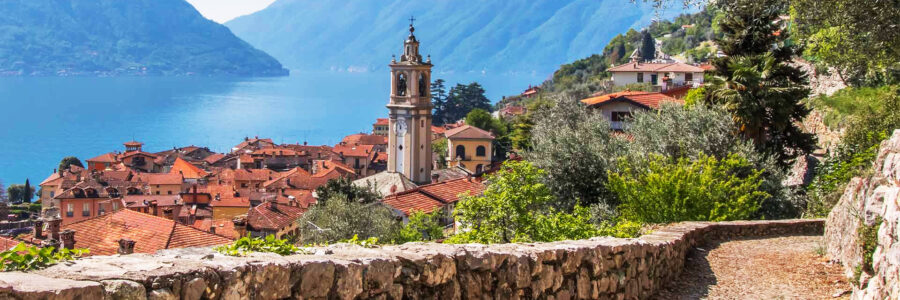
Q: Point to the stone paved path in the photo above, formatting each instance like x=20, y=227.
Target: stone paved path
x=768, y=268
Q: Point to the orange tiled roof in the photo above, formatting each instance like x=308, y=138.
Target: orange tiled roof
x=381, y=121
x=223, y=227
x=364, y=139
x=142, y=200
x=187, y=169
x=409, y=201
x=104, y=158
x=150, y=233
x=448, y=191
x=429, y=197
x=276, y=152
x=134, y=144
x=264, y=216
x=468, y=132
x=161, y=178
x=352, y=150
x=646, y=99
x=655, y=67
x=213, y=158
x=7, y=243
x=324, y=166
x=53, y=177
x=437, y=129
x=142, y=153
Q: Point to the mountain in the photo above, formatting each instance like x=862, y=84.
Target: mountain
x=115, y=37
x=461, y=35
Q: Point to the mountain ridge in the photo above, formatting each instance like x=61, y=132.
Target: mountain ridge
x=109, y=37
x=461, y=36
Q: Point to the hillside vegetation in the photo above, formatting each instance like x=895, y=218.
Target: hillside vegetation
x=110, y=37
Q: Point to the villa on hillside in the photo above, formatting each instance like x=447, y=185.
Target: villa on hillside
x=661, y=75
x=617, y=107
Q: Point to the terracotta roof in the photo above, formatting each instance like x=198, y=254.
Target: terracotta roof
x=213, y=158
x=437, y=129
x=302, y=197
x=223, y=227
x=645, y=99
x=287, y=179
x=150, y=233
x=386, y=183
x=352, y=150
x=322, y=166
x=655, y=67
x=53, y=177
x=315, y=152
x=143, y=200
x=162, y=178
x=380, y=156
x=468, y=132
x=104, y=158
x=707, y=67
x=264, y=216
x=277, y=152
x=7, y=243
x=134, y=143
x=186, y=169
x=427, y=198
x=364, y=139
x=133, y=153
x=381, y=121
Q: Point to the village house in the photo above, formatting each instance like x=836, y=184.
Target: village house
x=470, y=147
x=278, y=158
x=162, y=183
x=188, y=171
x=102, y=162
x=356, y=156
x=166, y=206
x=618, y=107
x=660, y=75
x=435, y=196
x=380, y=127
x=532, y=91
x=270, y=217
x=250, y=145
x=137, y=159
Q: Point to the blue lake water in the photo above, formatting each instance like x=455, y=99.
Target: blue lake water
x=43, y=120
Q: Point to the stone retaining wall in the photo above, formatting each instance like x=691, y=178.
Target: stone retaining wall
x=598, y=268
x=865, y=201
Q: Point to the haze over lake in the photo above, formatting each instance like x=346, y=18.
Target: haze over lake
x=47, y=118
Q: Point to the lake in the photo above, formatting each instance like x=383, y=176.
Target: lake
x=44, y=119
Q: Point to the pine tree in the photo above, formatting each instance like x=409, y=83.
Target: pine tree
x=648, y=47
x=755, y=83
x=29, y=193
x=439, y=100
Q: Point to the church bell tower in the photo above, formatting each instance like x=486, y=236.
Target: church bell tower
x=409, y=137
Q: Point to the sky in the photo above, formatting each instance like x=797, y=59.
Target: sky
x=224, y=10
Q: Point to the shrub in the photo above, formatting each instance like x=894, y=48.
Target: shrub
x=868, y=242
x=23, y=257
x=247, y=244
x=340, y=219
x=515, y=207
x=421, y=227
x=707, y=189
x=366, y=243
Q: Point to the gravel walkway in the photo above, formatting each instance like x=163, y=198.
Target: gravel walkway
x=768, y=268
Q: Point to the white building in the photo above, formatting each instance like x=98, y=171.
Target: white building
x=663, y=75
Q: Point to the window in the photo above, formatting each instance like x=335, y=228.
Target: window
x=688, y=76
x=170, y=192
x=86, y=210
x=70, y=210
x=640, y=77
x=480, y=151
x=115, y=206
x=52, y=194
x=461, y=151
x=619, y=116
x=101, y=210
x=653, y=79
x=157, y=192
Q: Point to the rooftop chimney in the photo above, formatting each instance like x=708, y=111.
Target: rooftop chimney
x=154, y=207
x=126, y=246
x=68, y=239
x=38, y=226
x=212, y=228
x=435, y=178
x=240, y=225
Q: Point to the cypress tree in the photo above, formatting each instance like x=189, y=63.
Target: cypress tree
x=648, y=46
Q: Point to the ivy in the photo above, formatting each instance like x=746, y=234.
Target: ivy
x=24, y=258
x=270, y=244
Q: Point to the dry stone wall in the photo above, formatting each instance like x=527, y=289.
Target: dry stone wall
x=598, y=268
x=866, y=201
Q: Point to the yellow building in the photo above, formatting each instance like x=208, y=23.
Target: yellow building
x=470, y=147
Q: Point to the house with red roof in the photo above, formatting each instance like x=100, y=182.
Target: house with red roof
x=270, y=217
x=250, y=145
x=149, y=233
x=618, y=107
x=662, y=75
x=435, y=196
x=102, y=162
x=278, y=158
x=531, y=91
x=380, y=127
x=469, y=147
x=357, y=156
x=186, y=170
x=135, y=158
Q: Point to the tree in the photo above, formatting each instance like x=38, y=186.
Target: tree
x=755, y=83
x=706, y=189
x=515, y=207
x=422, y=227
x=344, y=186
x=439, y=100
x=18, y=194
x=3, y=195
x=440, y=149
x=340, y=218
x=480, y=118
x=464, y=98
x=69, y=161
x=29, y=192
x=648, y=47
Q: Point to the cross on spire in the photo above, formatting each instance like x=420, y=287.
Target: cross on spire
x=411, y=20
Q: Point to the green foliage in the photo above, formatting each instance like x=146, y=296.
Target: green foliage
x=856, y=37
x=339, y=219
x=621, y=229
x=871, y=120
x=69, y=161
x=17, y=193
x=269, y=244
x=440, y=149
x=422, y=227
x=756, y=83
x=868, y=242
x=644, y=87
x=500, y=129
x=439, y=101
x=843, y=106
x=648, y=47
x=460, y=101
x=24, y=258
x=515, y=207
x=344, y=186
x=694, y=96
x=706, y=189
x=366, y=243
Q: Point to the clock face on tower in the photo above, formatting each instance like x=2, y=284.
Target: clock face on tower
x=401, y=126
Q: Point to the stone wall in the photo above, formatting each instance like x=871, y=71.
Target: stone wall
x=598, y=268
x=865, y=201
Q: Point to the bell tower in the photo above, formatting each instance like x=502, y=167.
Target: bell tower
x=409, y=137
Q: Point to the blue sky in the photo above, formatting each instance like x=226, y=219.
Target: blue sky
x=224, y=10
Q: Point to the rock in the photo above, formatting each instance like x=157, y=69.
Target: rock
x=316, y=279
x=193, y=289
x=123, y=290
x=350, y=281
x=17, y=285
x=161, y=294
